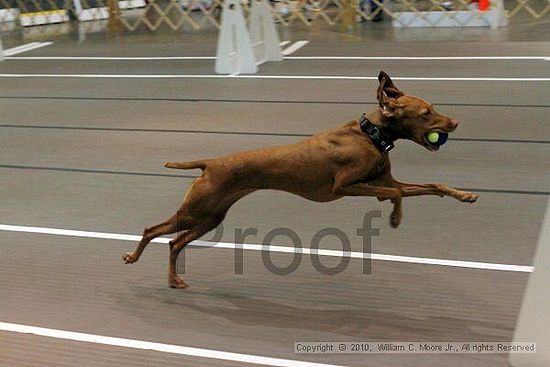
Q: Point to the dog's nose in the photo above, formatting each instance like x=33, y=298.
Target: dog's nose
x=453, y=123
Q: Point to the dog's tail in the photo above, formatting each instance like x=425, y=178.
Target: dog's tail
x=186, y=165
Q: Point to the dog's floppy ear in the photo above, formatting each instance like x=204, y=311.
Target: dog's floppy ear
x=387, y=95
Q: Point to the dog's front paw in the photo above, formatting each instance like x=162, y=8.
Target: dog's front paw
x=129, y=258
x=468, y=197
x=395, y=219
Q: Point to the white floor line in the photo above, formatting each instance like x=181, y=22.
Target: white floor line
x=266, y=77
x=284, y=43
x=294, y=47
x=25, y=48
x=113, y=58
x=429, y=58
x=21, y=48
x=357, y=58
x=274, y=248
x=158, y=347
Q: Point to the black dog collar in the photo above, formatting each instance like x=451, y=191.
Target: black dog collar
x=380, y=140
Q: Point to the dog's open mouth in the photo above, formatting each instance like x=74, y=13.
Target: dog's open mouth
x=435, y=139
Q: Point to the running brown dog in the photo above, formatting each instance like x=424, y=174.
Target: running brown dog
x=351, y=160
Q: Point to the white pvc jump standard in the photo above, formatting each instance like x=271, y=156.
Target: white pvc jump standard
x=1, y=50
x=533, y=323
x=263, y=34
x=238, y=52
x=234, y=53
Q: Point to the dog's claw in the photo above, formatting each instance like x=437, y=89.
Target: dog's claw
x=129, y=258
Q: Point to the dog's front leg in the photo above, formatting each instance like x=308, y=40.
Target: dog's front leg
x=382, y=193
x=408, y=189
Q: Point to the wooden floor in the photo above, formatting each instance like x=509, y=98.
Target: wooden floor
x=87, y=154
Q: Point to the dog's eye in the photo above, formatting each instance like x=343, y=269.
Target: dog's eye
x=427, y=114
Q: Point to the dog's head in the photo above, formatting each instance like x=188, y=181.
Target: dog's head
x=411, y=117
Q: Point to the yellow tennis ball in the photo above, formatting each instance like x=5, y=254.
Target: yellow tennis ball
x=433, y=137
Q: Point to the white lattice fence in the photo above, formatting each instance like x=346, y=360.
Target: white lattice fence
x=203, y=14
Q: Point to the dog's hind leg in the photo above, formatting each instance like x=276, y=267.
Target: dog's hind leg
x=167, y=227
x=176, y=245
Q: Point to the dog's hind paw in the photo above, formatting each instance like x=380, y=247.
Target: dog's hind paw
x=177, y=282
x=129, y=258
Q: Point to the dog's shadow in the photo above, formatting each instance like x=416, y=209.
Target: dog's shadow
x=174, y=309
